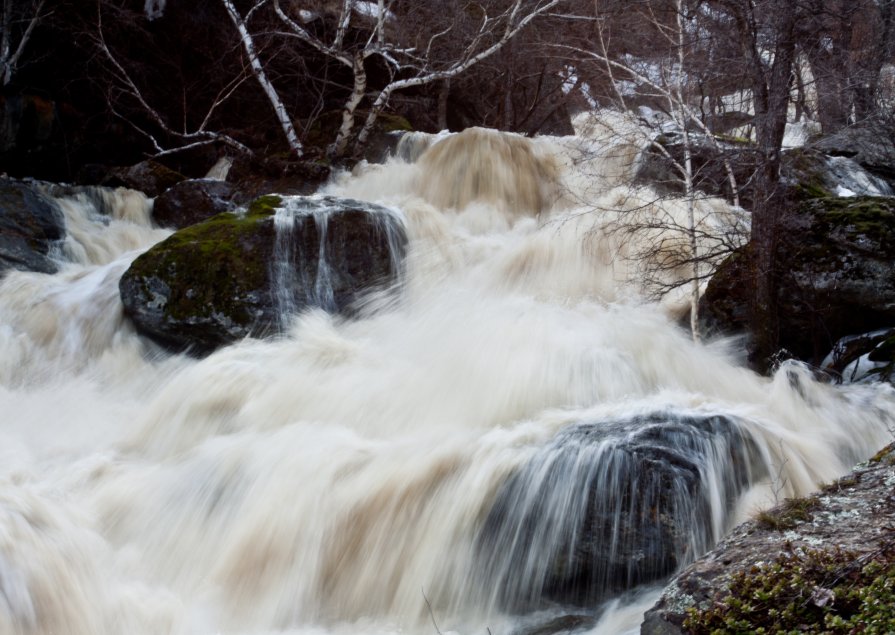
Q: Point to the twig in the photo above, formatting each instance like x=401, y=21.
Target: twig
x=432, y=614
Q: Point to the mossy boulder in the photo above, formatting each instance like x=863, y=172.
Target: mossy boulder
x=836, y=276
x=241, y=273
x=29, y=225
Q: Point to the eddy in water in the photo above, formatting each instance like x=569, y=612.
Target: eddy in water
x=513, y=436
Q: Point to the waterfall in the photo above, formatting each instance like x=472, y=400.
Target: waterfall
x=304, y=265
x=520, y=435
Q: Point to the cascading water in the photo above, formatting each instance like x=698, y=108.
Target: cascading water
x=304, y=266
x=516, y=438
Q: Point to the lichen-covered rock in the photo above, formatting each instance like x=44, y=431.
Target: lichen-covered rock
x=836, y=275
x=240, y=273
x=855, y=515
x=608, y=506
x=29, y=225
x=193, y=201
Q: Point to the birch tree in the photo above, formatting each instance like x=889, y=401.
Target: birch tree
x=18, y=20
x=408, y=66
x=665, y=77
x=165, y=133
x=248, y=43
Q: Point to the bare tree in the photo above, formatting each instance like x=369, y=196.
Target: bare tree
x=17, y=23
x=767, y=31
x=663, y=75
x=407, y=66
x=162, y=129
x=248, y=43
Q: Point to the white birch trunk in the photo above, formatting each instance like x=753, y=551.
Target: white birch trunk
x=248, y=44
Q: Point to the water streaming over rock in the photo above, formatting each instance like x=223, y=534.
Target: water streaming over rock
x=315, y=262
x=512, y=440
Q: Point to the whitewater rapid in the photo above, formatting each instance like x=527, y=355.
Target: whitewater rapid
x=336, y=479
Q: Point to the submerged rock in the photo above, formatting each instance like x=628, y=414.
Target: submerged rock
x=241, y=273
x=29, y=225
x=836, y=276
x=608, y=506
x=847, y=525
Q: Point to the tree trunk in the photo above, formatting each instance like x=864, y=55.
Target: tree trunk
x=770, y=125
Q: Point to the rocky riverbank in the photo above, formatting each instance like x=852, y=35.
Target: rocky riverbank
x=821, y=563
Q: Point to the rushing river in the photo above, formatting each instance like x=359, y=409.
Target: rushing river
x=428, y=464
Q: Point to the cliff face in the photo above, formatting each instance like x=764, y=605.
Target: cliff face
x=824, y=562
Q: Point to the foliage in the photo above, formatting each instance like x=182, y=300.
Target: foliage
x=806, y=591
x=792, y=512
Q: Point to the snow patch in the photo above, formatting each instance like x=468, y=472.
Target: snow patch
x=154, y=9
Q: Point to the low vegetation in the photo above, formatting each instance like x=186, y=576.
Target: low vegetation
x=807, y=591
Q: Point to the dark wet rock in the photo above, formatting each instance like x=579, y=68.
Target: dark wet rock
x=557, y=625
x=150, y=177
x=608, y=506
x=804, y=171
x=236, y=274
x=855, y=514
x=871, y=146
x=809, y=173
x=836, y=276
x=708, y=157
x=193, y=201
x=864, y=357
x=29, y=225
x=255, y=176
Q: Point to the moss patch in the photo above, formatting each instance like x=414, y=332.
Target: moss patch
x=807, y=591
x=265, y=205
x=786, y=516
x=206, y=282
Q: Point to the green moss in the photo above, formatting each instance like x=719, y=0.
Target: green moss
x=392, y=123
x=265, y=205
x=740, y=141
x=808, y=169
x=813, y=189
x=839, y=484
x=786, y=516
x=845, y=221
x=806, y=591
x=217, y=255
x=886, y=454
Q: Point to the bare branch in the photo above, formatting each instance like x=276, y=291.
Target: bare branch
x=258, y=70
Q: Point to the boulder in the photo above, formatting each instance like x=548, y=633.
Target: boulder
x=658, y=170
x=804, y=171
x=872, y=146
x=607, y=506
x=836, y=276
x=866, y=357
x=242, y=273
x=29, y=225
x=795, y=566
x=150, y=177
x=193, y=201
